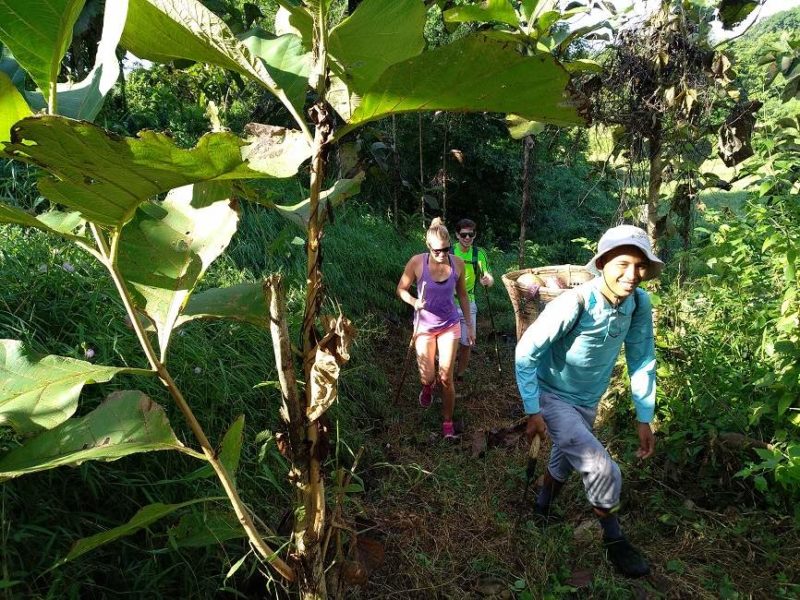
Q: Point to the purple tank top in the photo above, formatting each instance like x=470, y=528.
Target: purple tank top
x=440, y=310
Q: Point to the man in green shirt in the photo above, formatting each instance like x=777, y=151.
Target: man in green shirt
x=476, y=270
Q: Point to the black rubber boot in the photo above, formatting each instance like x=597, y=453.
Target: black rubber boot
x=626, y=558
x=544, y=517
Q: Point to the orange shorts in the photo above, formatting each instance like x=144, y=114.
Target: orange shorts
x=451, y=333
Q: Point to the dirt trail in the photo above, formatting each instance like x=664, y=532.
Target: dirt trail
x=453, y=524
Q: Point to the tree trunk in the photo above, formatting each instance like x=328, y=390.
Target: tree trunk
x=654, y=184
x=444, y=170
x=528, y=166
x=683, y=209
x=421, y=175
x=396, y=176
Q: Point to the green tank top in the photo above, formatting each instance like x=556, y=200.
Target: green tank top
x=473, y=257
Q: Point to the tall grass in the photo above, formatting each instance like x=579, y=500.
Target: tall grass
x=57, y=300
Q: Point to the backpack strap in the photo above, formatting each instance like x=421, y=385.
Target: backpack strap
x=582, y=307
x=475, y=268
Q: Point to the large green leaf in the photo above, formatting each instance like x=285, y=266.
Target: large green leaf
x=520, y=128
x=733, y=12
x=42, y=391
x=12, y=108
x=300, y=213
x=377, y=35
x=286, y=60
x=490, y=10
x=168, y=30
x=273, y=150
x=471, y=74
x=57, y=222
x=231, y=450
x=296, y=20
x=84, y=99
x=62, y=223
x=146, y=516
x=38, y=32
x=207, y=528
x=11, y=67
x=241, y=302
x=125, y=423
x=105, y=177
x=165, y=249
x=229, y=453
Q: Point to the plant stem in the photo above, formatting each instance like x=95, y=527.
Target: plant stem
x=312, y=575
x=208, y=450
x=293, y=408
x=528, y=165
x=52, y=98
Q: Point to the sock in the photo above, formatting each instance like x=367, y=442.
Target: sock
x=611, y=527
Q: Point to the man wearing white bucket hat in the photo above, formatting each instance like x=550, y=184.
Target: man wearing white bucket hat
x=564, y=362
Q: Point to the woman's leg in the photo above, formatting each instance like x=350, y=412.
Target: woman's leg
x=447, y=343
x=425, y=345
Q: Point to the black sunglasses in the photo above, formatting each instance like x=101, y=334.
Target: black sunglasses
x=438, y=251
x=467, y=234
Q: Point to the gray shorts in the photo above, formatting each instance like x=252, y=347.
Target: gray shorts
x=473, y=312
x=575, y=448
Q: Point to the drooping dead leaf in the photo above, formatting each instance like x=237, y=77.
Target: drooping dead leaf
x=332, y=351
x=735, y=133
x=284, y=447
x=324, y=376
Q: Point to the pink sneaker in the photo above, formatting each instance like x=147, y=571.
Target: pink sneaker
x=448, y=431
x=426, y=395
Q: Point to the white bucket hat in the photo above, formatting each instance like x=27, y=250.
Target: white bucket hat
x=627, y=235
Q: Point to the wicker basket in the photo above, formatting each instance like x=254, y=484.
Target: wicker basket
x=525, y=309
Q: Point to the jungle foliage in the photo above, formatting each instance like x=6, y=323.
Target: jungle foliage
x=154, y=202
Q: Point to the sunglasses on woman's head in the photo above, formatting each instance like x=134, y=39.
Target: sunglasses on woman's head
x=467, y=234
x=438, y=251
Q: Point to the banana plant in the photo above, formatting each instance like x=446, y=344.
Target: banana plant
x=331, y=80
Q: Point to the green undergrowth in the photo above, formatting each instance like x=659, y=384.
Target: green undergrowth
x=59, y=301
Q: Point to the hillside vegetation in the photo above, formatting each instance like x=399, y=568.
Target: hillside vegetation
x=406, y=515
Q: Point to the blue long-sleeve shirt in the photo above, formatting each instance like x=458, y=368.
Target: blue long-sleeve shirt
x=571, y=350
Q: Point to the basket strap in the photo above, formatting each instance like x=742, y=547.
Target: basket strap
x=581, y=309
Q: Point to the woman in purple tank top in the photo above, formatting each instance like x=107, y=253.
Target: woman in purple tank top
x=438, y=275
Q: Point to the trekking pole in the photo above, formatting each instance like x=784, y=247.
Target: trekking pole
x=491, y=319
x=410, y=346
